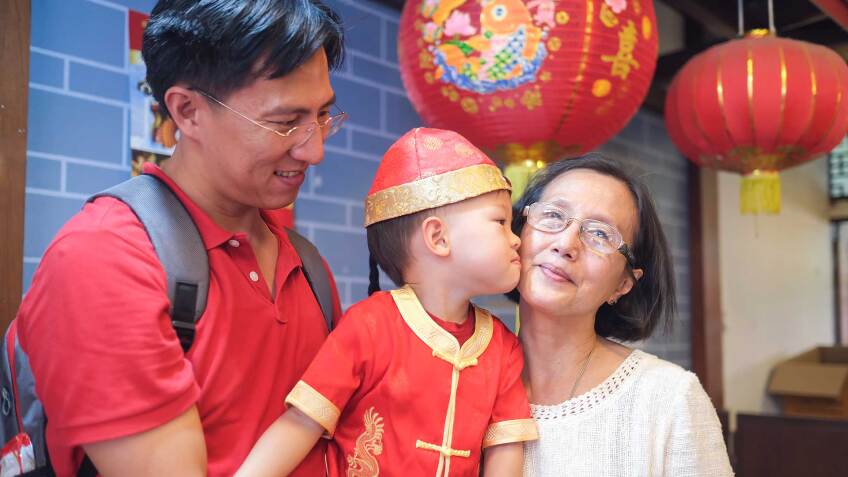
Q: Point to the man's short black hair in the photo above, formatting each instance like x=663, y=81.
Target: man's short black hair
x=652, y=301
x=220, y=46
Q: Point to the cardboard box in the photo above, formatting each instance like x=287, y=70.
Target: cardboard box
x=814, y=383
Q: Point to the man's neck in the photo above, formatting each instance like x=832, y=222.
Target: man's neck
x=199, y=187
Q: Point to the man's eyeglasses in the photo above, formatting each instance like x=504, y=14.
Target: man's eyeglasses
x=299, y=134
x=598, y=236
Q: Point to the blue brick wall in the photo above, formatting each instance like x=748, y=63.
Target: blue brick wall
x=79, y=132
x=645, y=145
x=79, y=135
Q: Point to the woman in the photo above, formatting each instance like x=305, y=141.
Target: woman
x=596, y=272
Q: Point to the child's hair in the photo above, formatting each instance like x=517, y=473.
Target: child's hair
x=388, y=244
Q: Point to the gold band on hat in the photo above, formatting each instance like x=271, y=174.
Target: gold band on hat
x=433, y=191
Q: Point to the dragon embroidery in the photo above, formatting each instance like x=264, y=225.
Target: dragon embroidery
x=369, y=444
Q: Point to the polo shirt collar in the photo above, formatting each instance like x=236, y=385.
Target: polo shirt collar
x=213, y=235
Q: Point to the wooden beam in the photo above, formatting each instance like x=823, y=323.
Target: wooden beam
x=705, y=15
x=836, y=9
x=14, y=79
x=704, y=272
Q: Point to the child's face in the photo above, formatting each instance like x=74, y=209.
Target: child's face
x=483, y=248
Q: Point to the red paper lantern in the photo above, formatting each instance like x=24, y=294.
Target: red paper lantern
x=528, y=80
x=758, y=105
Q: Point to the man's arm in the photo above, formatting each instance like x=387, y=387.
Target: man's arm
x=174, y=448
x=283, y=445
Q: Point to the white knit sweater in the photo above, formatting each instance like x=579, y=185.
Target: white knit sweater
x=649, y=418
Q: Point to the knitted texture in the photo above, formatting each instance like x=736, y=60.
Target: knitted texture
x=649, y=418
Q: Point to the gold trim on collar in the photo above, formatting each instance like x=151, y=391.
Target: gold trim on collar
x=433, y=191
x=515, y=430
x=312, y=403
x=444, y=344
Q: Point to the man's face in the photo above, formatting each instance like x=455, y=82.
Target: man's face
x=251, y=166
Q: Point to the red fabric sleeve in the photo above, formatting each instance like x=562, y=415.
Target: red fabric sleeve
x=95, y=323
x=511, y=402
x=336, y=372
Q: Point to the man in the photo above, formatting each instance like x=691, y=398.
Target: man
x=247, y=84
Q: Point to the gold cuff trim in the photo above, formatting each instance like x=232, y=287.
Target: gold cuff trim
x=419, y=444
x=433, y=191
x=312, y=403
x=505, y=432
x=444, y=345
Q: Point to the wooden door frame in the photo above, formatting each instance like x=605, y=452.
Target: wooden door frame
x=705, y=275
x=15, y=18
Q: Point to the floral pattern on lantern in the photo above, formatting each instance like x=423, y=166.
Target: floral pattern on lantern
x=528, y=81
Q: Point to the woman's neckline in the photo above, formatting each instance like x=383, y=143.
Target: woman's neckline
x=593, y=397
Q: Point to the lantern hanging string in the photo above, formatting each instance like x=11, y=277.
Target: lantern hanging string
x=772, y=29
x=740, y=18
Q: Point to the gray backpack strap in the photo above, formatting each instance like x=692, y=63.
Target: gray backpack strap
x=177, y=243
x=316, y=274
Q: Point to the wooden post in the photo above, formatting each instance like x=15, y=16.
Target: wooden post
x=14, y=86
x=706, y=291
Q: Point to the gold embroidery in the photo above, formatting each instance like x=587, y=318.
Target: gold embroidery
x=436, y=337
x=463, y=149
x=312, y=403
x=369, y=444
x=433, y=191
x=516, y=430
x=431, y=143
x=445, y=347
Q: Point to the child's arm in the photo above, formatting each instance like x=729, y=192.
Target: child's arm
x=283, y=445
x=503, y=460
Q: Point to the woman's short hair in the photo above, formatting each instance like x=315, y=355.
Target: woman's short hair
x=652, y=300
x=219, y=46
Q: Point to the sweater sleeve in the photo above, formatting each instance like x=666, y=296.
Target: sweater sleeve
x=696, y=446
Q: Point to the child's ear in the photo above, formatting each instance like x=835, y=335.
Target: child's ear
x=434, y=230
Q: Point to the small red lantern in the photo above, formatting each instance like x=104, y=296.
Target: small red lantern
x=758, y=105
x=528, y=81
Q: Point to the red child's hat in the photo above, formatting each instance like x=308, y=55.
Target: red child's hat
x=428, y=168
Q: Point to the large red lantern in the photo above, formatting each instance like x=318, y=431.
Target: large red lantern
x=758, y=105
x=528, y=81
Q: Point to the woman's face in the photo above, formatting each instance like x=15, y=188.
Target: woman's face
x=559, y=273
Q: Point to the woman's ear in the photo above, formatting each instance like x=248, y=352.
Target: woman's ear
x=625, y=285
x=183, y=105
x=434, y=231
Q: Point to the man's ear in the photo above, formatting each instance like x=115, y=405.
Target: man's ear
x=183, y=105
x=434, y=231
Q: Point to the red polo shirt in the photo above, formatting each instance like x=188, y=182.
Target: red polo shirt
x=108, y=364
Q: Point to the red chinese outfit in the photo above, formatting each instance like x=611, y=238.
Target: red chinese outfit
x=400, y=396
